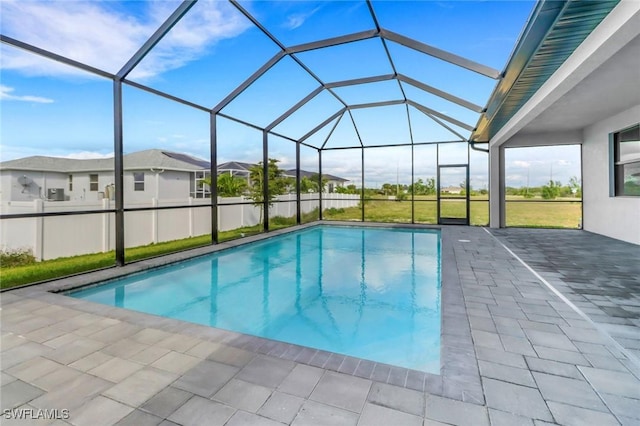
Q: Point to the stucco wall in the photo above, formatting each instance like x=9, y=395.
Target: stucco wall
x=616, y=217
x=82, y=186
x=37, y=184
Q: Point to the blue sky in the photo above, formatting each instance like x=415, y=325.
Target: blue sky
x=52, y=109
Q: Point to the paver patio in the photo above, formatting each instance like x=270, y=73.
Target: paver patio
x=514, y=352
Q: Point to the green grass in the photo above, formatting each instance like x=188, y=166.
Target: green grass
x=11, y=275
x=54, y=268
x=544, y=215
x=48, y=269
x=533, y=213
x=400, y=211
x=279, y=222
x=530, y=214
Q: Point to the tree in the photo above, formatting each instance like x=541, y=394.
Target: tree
x=349, y=189
x=388, y=189
x=277, y=184
x=417, y=188
x=430, y=186
x=310, y=183
x=420, y=187
x=228, y=185
x=307, y=185
x=551, y=190
x=576, y=186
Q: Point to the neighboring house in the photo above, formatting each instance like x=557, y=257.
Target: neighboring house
x=152, y=173
x=452, y=190
x=148, y=174
x=237, y=168
x=332, y=181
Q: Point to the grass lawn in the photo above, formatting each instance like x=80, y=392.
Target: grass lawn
x=533, y=213
x=530, y=214
x=54, y=268
x=400, y=211
x=544, y=215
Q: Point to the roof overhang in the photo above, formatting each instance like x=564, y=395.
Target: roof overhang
x=599, y=79
x=558, y=42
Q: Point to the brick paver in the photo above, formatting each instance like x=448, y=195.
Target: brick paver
x=513, y=352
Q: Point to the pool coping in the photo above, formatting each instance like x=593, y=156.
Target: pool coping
x=459, y=376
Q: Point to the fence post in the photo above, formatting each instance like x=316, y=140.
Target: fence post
x=190, y=218
x=106, y=225
x=38, y=247
x=154, y=221
x=242, y=207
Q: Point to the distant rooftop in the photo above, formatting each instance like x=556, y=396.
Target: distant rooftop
x=141, y=160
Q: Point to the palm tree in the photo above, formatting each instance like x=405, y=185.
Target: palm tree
x=228, y=185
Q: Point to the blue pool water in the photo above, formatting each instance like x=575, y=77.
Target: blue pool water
x=371, y=293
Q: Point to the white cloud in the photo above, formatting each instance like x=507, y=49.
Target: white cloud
x=524, y=164
x=99, y=35
x=6, y=94
x=296, y=20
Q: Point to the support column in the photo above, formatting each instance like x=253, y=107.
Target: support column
x=213, y=169
x=265, y=179
x=362, y=189
x=298, y=209
x=118, y=170
x=496, y=187
x=320, y=183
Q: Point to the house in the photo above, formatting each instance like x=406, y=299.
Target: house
x=332, y=181
x=148, y=174
x=237, y=168
x=452, y=190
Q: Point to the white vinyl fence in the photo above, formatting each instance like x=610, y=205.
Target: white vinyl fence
x=69, y=235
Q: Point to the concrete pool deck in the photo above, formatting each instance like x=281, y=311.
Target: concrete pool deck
x=538, y=327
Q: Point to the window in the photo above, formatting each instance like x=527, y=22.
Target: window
x=70, y=183
x=199, y=186
x=138, y=181
x=626, y=162
x=93, y=182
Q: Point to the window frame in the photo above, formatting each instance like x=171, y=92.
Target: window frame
x=70, y=182
x=138, y=184
x=198, y=188
x=94, y=184
x=616, y=167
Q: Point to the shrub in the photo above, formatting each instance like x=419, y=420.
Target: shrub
x=551, y=191
x=333, y=210
x=281, y=220
x=16, y=257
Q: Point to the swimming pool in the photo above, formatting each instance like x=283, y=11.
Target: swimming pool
x=371, y=293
